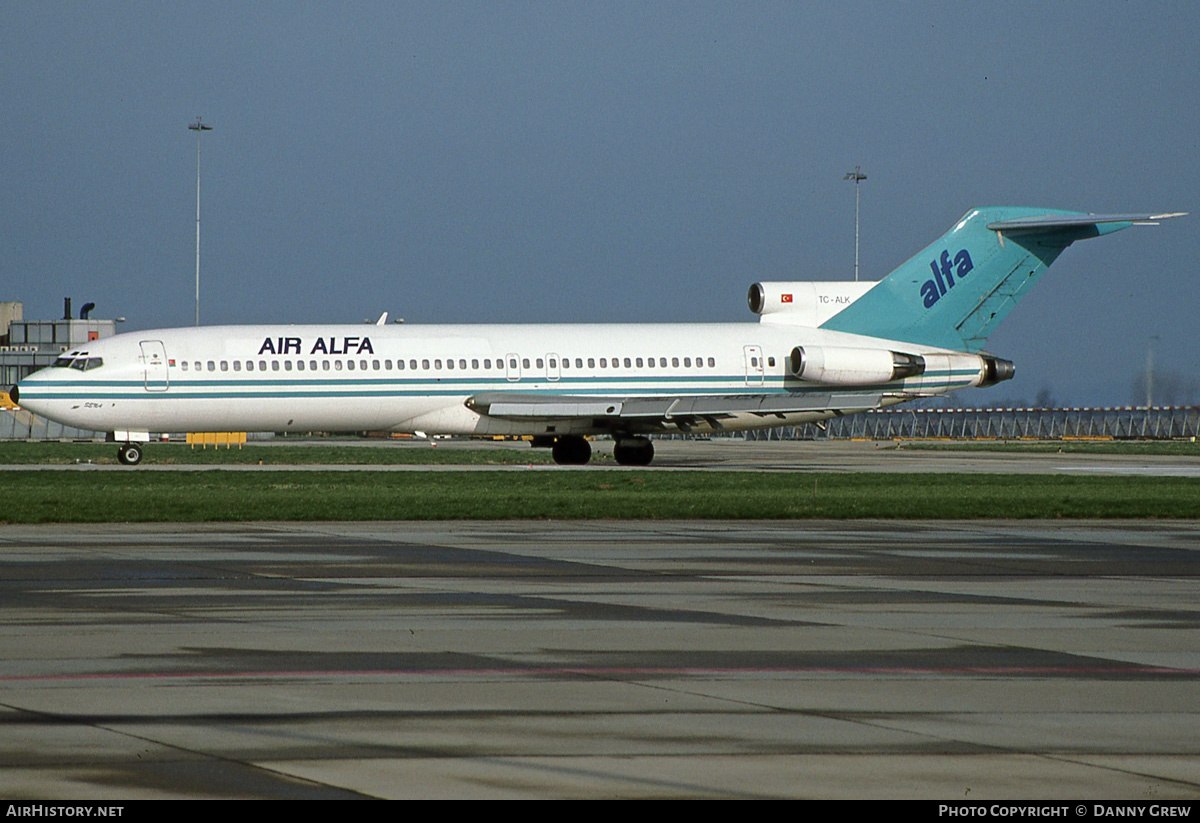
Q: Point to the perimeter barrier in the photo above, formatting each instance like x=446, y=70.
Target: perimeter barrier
x=1113, y=423
x=1110, y=423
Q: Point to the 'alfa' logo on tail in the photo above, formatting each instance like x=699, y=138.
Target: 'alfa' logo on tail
x=944, y=274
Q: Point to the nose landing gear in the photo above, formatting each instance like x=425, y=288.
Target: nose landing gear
x=130, y=454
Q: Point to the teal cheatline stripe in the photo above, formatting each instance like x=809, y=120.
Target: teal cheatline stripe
x=180, y=396
x=724, y=383
x=422, y=381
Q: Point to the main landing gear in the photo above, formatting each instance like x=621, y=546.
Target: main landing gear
x=634, y=451
x=573, y=450
x=130, y=454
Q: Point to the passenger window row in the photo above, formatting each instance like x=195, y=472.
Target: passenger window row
x=436, y=364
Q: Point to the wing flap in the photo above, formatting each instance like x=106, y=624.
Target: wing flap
x=547, y=407
x=516, y=406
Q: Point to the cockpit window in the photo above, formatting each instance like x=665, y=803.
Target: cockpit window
x=82, y=363
x=87, y=364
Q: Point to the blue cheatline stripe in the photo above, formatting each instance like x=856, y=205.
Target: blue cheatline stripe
x=183, y=395
x=693, y=383
x=385, y=382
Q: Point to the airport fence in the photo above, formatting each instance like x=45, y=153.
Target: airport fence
x=18, y=424
x=1112, y=423
x=1124, y=423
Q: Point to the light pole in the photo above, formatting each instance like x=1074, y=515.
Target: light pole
x=855, y=175
x=199, y=128
x=1150, y=370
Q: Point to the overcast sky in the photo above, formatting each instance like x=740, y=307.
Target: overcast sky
x=602, y=161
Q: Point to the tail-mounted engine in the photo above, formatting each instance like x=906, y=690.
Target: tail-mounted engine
x=803, y=303
x=837, y=366
x=995, y=370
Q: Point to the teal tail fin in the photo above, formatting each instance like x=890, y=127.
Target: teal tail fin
x=954, y=293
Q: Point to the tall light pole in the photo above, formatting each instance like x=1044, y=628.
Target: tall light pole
x=855, y=175
x=199, y=128
x=1150, y=370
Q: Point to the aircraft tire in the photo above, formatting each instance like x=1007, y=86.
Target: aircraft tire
x=571, y=450
x=634, y=451
x=129, y=454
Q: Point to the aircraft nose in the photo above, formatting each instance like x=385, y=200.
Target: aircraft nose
x=15, y=394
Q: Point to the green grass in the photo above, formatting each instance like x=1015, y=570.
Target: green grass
x=179, y=454
x=1148, y=448
x=87, y=497
x=16, y=452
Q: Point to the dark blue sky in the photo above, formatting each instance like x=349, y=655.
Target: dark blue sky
x=529, y=162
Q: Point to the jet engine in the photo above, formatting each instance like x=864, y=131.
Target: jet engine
x=996, y=370
x=839, y=366
x=803, y=303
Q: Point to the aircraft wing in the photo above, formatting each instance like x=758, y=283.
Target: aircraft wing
x=675, y=409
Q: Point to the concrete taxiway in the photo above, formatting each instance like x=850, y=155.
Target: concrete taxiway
x=727, y=455
x=603, y=659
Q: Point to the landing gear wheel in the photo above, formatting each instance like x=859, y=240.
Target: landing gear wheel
x=634, y=451
x=571, y=450
x=130, y=454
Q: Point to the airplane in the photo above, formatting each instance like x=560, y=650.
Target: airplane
x=820, y=350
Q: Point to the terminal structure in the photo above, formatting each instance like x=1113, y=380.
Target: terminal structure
x=28, y=345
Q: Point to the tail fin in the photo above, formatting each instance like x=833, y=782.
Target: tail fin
x=954, y=293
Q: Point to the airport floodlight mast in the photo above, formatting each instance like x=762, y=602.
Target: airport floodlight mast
x=1154, y=338
x=199, y=128
x=855, y=175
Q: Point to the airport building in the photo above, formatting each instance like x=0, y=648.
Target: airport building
x=29, y=345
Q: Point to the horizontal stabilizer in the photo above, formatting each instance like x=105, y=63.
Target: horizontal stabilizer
x=1062, y=221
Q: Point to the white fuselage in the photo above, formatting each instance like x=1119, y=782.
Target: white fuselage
x=412, y=378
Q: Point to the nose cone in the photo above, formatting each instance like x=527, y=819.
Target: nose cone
x=26, y=394
x=38, y=393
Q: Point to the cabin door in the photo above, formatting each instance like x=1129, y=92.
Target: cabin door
x=154, y=359
x=754, y=365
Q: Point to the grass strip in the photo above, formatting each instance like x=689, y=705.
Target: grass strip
x=16, y=452
x=86, y=497
x=180, y=454
x=1146, y=448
